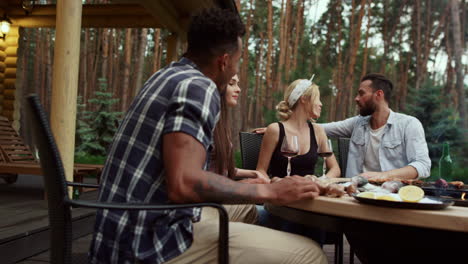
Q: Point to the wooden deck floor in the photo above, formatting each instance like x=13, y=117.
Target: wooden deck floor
x=24, y=222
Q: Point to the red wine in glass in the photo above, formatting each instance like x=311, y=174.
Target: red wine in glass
x=289, y=149
x=325, y=152
x=289, y=154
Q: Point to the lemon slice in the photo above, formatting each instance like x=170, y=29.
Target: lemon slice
x=370, y=195
x=388, y=198
x=411, y=193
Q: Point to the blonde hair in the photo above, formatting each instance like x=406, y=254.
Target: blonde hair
x=284, y=110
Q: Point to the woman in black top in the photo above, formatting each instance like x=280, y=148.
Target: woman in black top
x=301, y=104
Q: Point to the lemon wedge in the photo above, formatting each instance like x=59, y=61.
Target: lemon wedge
x=370, y=195
x=411, y=193
x=388, y=198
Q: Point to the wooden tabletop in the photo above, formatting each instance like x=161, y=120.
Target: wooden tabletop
x=453, y=218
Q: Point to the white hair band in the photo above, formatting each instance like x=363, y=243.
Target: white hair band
x=299, y=90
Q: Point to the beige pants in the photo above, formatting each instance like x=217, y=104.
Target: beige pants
x=248, y=243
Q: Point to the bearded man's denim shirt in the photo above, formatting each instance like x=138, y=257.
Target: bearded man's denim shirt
x=403, y=143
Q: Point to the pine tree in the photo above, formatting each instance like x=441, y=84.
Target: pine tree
x=83, y=134
x=103, y=121
x=441, y=123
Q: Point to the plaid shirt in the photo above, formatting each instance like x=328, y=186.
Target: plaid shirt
x=178, y=98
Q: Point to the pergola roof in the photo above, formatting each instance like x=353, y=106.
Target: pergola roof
x=173, y=15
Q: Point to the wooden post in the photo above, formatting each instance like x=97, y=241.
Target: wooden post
x=173, y=44
x=65, y=80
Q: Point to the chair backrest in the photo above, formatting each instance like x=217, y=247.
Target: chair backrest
x=250, y=144
x=343, y=149
x=54, y=182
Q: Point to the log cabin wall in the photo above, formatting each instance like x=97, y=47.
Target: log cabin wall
x=3, y=47
x=10, y=101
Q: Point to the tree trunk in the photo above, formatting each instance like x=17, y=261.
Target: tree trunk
x=299, y=32
x=459, y=68
x=255, y=105
x=288, y=37
x=339, y=110
x=140, y=61
x=417, y=44
x=244, y=79
x=110, y=62
x=105, y=52
x=356, y=37
x=157, y=48
x=364, y=56
x=449, y=88
x=126, y=70
x=269, y=86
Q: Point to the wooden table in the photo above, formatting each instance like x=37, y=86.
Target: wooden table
x=387, y=235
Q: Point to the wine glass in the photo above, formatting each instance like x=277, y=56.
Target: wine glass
x=289, y=149
x=325, y=152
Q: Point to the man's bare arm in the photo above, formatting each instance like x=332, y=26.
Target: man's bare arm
x=405, y=173
x=187, y=182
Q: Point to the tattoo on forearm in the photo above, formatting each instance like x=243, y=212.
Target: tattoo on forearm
x=216, y=188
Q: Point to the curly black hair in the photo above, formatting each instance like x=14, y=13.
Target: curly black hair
x=213, y=32
x=380, y=82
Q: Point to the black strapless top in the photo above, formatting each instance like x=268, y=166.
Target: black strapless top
x=300, y=165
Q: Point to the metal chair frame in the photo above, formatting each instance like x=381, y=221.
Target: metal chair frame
x=60, y=204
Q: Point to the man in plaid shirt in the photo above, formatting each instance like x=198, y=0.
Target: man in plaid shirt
x=159, y=156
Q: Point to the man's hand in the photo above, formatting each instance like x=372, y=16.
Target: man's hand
x=254, y=181
x=293, y=188
x=375, y=176
x=259, y=130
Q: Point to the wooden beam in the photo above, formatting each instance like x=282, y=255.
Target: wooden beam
x=127, y=21
x=95, y=16
x=166, y=14
x=65, y=80
x=87, y=10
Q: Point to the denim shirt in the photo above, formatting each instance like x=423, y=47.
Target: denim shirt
x=403, y=143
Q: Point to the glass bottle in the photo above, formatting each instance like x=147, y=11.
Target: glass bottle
x=76, y=193
x=445, y=163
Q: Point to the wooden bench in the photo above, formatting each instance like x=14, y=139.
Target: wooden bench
x=16, y=157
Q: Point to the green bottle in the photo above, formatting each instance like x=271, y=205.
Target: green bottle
x=76, y=193
x=445, y=163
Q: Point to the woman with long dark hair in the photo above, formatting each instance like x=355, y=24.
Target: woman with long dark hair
x=222, y=159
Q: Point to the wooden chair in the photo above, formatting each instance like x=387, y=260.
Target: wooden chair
x=17, y=158
x=60, y=205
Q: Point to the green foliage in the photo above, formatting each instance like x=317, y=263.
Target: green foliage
x=96, y=128
x=269, y=115
x=89, y=159
x=237, y=159
x=440, y=122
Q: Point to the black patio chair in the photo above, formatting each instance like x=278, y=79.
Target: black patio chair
x=60, y=204
x=343, y=149
x=250, y=144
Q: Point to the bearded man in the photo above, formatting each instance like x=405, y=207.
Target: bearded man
x=384, y=145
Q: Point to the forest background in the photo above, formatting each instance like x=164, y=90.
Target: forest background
x=420, y=45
